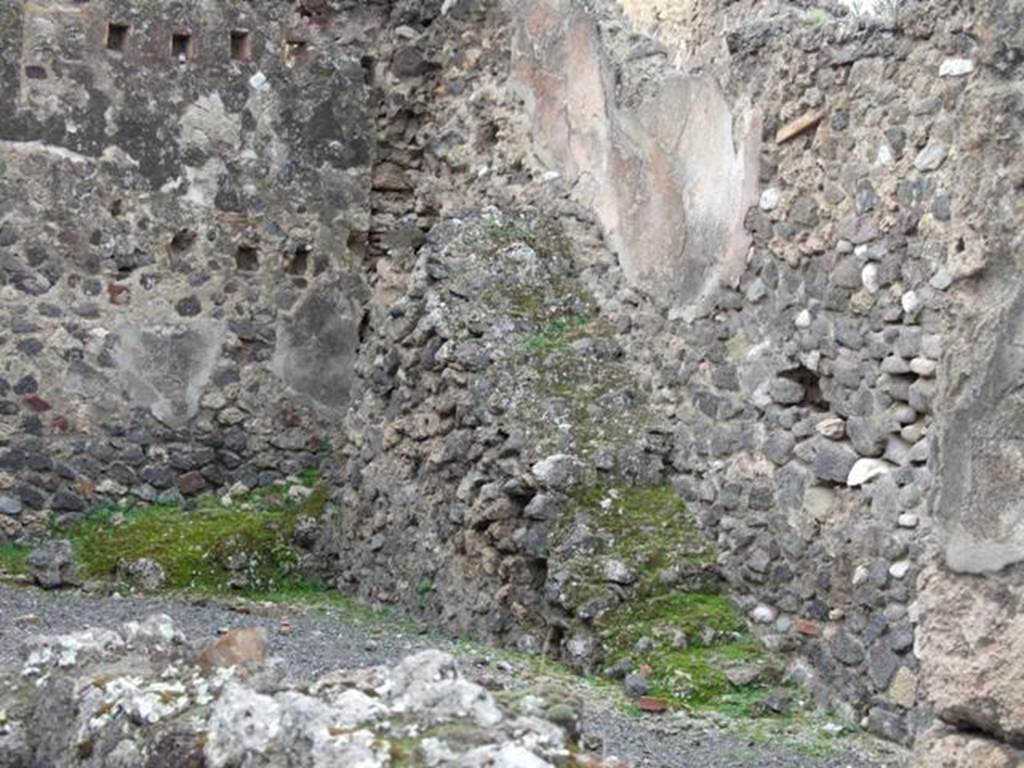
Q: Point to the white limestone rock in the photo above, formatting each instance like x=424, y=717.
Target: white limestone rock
x=866, y=470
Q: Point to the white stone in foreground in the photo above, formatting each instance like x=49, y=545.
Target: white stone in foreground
x=866, y=470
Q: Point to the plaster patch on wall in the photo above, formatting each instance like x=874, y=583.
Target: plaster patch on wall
x=979, y=509
x=666, y=162
x=166, y=367
x=206, y=125
x=316, y=347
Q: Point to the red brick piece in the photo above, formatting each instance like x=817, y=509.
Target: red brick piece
x=118, y=293
x=806, y=627
x=652, y=705
x=36, y=403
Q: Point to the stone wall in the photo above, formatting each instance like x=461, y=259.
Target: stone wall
x=969, y=637
x=228, y=232
x=184, y=207
x=847, y=405
x=795, y=392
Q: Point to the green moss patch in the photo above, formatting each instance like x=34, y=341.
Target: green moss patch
x=541, y=233
x=245, y=544
x=209, y=548
x=646, y=525
x=640, y=571
x=13, y=558
x=557, y=333
x=621, y=536
x=691, y=641
x=511, y=231
x=560, y=390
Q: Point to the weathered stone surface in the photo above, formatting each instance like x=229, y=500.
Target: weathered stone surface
x=52, y=565
x=819, y=502
x=969, y=642
x=882, y=666
x=235, y=648
x=559, y=472
x=980, y=511
x=388, y=177
x=166, y=369
x=786, y=392
x=956, y=67
x=943, y=748
x=543, y=506
x=931, y=157
x=871, y=262
x=143, y=573
x=130, y=697
x=888, y=724
x=316, y=345
x=636, y=684
x=867, y=437
x=836, y=297
x=832, y=428
x=847, y=649
x=903, y=688
x=191, y=483
x=832, y=461
x=10, y=505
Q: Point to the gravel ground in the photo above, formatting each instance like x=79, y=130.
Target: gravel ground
x=317, y=641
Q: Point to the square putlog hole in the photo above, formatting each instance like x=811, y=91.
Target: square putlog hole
x=181, y=46
x=297, y=262
x=183, y=240
x=241, y=47
x=296, y=52
x=117, y=36
x=247, y=259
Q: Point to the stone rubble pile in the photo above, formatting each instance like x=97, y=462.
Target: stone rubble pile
x=493, y=389
x=141, y=695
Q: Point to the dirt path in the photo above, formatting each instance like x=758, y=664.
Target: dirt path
x=318, y=640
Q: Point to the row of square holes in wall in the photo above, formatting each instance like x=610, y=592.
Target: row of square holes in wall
x=247, y=257
x=182, y=44
x=296, y=262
